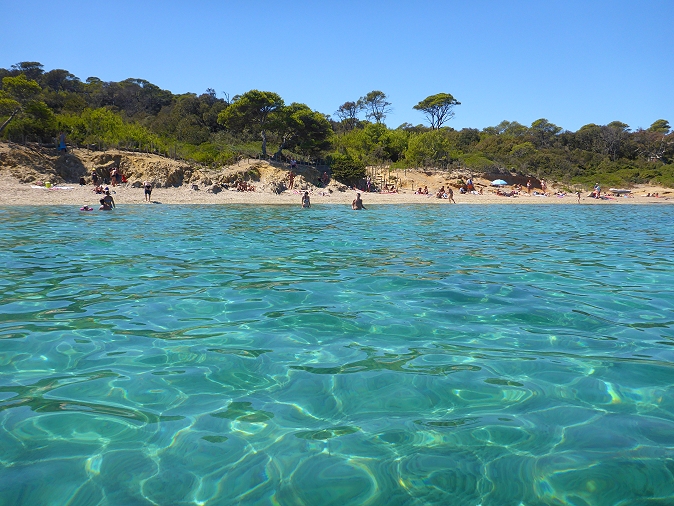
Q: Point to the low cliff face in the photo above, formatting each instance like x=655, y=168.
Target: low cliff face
x=32, y=163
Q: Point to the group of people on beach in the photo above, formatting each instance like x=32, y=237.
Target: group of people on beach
x=107, y=203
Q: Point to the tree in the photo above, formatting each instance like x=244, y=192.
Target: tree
x=375, y=105
x=298, y=126
x=347, y=169
x=612, y=137
x=429, y=149
x=468, y=137
x=544, y=131
x=348, y=114
x=652, y=144
x=252, y=111
x=588, y=138
x=511, y=128
x=660, y=126
x=522, y=150
x=60, y=80
x=31, y=69
x=17, y=92
x=438, y=109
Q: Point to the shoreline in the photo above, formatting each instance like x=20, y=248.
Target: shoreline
x=14, y=193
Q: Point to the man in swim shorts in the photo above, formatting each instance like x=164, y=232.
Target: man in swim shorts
x=357, y=203
x=148, y=190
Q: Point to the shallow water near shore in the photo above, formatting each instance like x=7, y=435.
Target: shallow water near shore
x=410, y=355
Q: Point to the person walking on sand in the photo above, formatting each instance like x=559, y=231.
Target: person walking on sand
x=305, y=200
x=148, y=190
x=529, y=186
x=357, y=203
x=450, y=195
x=578, y=195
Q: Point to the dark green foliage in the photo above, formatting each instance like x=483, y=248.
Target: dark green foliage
x=135, y=114
x=346, y=169
x=438, y=108
x=254, y=110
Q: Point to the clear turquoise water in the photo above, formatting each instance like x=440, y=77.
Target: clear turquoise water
x=456, y=355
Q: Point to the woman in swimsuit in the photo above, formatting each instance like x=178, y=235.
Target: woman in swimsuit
x=107, y=202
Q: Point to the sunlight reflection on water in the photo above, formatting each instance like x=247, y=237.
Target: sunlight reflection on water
x=407, y=355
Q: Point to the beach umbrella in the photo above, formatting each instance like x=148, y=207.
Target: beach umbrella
x=499, y=182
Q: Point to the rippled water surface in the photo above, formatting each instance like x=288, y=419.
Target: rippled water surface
x=405, y=355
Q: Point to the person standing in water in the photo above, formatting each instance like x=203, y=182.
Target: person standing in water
x=357, y=203
x=107, y=202
x=305, y=200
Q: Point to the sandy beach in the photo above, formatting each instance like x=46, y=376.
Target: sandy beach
x=16, y=193
x=25, y=169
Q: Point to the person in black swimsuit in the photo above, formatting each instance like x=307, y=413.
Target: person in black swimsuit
x=148, y=190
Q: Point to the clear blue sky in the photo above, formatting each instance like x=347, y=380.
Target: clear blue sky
x=572, y=62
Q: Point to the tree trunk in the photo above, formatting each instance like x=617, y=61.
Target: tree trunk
x=4, y=125
x=282, y=145
x=263, y=134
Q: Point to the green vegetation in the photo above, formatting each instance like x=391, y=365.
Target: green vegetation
x=138, y=115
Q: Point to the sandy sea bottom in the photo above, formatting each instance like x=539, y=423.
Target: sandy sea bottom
x=462, y=355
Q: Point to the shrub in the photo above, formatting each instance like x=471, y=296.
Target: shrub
x=346, y=169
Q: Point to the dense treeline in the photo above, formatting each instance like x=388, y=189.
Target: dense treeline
x=136, y=114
